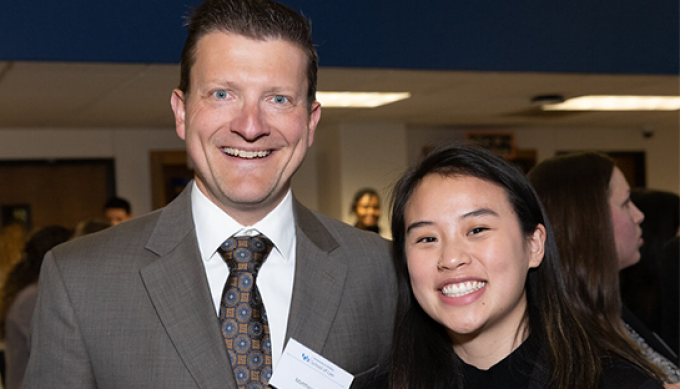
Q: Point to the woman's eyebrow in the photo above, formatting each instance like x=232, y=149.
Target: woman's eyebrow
x=417, y=225
x=479, y=212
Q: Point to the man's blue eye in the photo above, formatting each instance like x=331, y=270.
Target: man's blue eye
x=278, y=99
x=221, y=94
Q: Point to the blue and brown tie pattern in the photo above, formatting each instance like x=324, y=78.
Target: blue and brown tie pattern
x=242, y=315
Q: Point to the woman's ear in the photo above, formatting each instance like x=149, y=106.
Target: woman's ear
x=536, y=243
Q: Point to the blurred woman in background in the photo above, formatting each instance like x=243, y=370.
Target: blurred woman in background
x=597, y=228
x=649, y=289
x=366, y=207
x=17, y=301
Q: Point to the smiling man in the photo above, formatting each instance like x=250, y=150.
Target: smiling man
x=206, y=292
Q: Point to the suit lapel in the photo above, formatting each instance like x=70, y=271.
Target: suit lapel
x=178, y=288
x=319, y=281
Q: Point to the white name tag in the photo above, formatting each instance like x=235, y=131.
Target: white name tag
x=302, y=368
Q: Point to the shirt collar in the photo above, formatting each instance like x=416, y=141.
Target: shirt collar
x=214, y=226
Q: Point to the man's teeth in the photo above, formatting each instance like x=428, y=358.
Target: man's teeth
x=457, y=290
x=245, y=154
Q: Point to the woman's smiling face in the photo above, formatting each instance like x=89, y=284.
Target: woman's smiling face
x=467, y=256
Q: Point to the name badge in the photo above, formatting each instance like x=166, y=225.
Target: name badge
x=302, y=368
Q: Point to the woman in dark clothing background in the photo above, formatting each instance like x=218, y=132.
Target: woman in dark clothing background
x=597, y=229
x=646, y=285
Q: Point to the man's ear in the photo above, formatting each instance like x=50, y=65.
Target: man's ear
x=178, y=107
x=314, y=117
x=536, y=244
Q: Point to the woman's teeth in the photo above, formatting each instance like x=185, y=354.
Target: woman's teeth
x=457, y=290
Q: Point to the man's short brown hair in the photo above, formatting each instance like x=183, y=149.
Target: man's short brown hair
x=256, y=19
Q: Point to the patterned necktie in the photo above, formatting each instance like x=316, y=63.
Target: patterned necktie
x=242, y=315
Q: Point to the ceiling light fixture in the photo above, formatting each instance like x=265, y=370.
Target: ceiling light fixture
x=358, y=99
x=616, y=103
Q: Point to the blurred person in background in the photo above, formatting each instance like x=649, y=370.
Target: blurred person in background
x=366, y=207
x=117, y=210
x=12, y=241
x=18, y=298
x=597, y=228
x=90, y=226
x=646, y=284
x=671, y=296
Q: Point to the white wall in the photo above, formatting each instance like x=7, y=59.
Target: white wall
x=326, y=177
x=305, y=181
x=662, y=150
x=372, y=155
x=128, y=147
x=131, y=152
x=349, y=157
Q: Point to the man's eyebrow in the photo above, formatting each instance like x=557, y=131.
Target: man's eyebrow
x=281, y=88
x=417, y=225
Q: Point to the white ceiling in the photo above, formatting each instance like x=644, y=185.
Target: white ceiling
x=87, y=95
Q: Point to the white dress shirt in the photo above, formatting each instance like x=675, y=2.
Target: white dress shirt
x=276, y=276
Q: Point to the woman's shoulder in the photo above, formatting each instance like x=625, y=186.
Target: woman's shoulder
x=618, y=373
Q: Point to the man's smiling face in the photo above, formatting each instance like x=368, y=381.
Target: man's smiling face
x=246, y=122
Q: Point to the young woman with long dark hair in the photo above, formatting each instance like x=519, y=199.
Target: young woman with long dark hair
x=482, y=299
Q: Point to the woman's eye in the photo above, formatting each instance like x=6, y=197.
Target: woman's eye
x=477, y=230
x=278, y=99
x=427, y=239
x=221, y=94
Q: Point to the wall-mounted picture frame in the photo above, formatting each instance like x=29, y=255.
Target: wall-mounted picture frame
x=170, y=174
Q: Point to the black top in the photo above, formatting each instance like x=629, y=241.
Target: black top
x=617, y=373
x=513, y=372
x=670, y=296
x=522, y=370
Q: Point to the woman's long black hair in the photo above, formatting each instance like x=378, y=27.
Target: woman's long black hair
x=422, y=354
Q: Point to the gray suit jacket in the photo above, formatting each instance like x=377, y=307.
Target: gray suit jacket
x=130, y=307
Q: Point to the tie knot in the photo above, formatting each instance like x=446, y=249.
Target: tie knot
x=245, y=253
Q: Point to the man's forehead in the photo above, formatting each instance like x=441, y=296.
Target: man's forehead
x=220, y=56
x=209, y=37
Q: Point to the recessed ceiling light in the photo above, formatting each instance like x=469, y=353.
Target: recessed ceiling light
x=358, y=99
x=617, y=103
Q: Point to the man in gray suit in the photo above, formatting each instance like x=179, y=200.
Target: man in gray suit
x=137, y=305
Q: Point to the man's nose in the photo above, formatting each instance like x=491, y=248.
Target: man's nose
x=249, y=122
